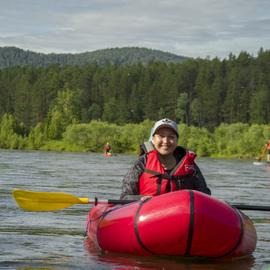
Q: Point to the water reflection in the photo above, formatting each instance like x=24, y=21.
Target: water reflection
x=122, y=261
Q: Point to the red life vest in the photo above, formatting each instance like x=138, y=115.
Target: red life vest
x=155, y=180
x=268, y=145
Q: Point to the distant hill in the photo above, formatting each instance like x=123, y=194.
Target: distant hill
x=12, y=56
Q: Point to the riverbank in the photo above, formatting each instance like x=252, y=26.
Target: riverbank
x=236, y=140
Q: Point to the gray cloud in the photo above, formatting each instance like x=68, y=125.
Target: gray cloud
x=197, y=28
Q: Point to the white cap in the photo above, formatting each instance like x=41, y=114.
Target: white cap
x=164, y=123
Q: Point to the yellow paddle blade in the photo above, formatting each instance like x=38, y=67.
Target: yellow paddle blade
x=45, y=201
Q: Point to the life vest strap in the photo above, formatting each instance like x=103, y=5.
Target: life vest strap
x=175, y=178
x=164, y=175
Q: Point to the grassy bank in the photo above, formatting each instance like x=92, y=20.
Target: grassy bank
x=227, y=140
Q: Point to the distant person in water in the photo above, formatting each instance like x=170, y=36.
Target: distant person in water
x=107, y=149
x=268, y=151
x=265, y=149
x=163, y=166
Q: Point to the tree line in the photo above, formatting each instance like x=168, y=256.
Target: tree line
x=199, y=93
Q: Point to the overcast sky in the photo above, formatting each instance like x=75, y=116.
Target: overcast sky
x=195, y=28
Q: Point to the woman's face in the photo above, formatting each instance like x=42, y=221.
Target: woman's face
x=165, y=141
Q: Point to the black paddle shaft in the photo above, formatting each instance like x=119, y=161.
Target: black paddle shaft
x=112, y=201
x=251, y=207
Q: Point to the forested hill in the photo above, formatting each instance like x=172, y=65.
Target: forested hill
x=12, y=56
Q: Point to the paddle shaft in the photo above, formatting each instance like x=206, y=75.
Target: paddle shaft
x=113, y=201
x=50, y=201
x=251, y=207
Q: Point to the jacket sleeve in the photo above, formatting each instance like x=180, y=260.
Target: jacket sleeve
x=200, y=183
x=130, y=183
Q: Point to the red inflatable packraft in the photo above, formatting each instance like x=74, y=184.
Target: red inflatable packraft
x=180, y=223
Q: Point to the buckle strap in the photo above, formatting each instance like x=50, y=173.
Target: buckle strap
x=163, y=175
x=177, y=179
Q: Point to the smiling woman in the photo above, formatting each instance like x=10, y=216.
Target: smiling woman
x=163, y=167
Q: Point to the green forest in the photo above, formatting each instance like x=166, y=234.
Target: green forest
x=222, y=106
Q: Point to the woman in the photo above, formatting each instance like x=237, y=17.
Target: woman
x=163, y=167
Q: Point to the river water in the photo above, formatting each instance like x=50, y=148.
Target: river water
x=55, y=240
